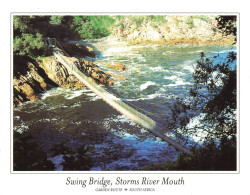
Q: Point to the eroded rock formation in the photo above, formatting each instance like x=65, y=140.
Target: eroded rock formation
x=47, y=73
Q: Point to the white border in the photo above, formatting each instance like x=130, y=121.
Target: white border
x=31, y=184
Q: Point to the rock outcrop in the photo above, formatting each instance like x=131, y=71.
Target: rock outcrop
x=175, y=29
x=27, y=86
x=59, y=74
x=117, y=65
x=47, y=73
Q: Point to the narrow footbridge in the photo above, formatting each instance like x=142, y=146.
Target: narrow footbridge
x=112, y=100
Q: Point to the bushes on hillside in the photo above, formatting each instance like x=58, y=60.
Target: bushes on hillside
x=210, y=157
x=92, y=27
x=30, y=45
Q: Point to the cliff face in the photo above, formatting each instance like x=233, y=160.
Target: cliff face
x=27, y=86
x=172, y=29
x=59, y=74
x=45, y=73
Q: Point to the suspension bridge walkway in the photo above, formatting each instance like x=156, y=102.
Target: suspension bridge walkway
x=115, y=102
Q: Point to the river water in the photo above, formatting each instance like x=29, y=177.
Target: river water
x=155, y=76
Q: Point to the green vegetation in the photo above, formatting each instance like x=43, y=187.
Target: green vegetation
x=27, y=41
x=29, y=31
x=178, y=21
x=139, y=20
x=203, y=18
x=28, y=44
x=219, y=103
x=208, y=158
x=92, y=27
x=28, y=156
x=190, y=22
x=56, y=20
x=73, y=159
x=213, y=94
x=228, y=25
x=158, y=18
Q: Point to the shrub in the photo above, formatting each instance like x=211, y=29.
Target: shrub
x=92, y=27
x=207, y=158
x=190, y=22
x=29, y=44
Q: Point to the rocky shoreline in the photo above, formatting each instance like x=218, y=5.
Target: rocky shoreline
x=32, y=77
x=46, y=72
x=175, y=29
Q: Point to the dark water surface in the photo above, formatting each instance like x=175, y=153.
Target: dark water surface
x=77, y=127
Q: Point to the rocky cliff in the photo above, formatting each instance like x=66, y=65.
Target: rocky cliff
x=32, y=77
x=172, y=29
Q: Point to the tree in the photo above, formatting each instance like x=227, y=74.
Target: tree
x=92, y=27
x=210, y=157
x=56, y=20
x=27, y=41
x=213, y=101
x=28, y=156
x=30, y=45
x=227, y=24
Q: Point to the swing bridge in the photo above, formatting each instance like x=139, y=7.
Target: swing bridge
x=115, y=102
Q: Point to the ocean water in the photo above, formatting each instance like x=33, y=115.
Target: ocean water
x=155, y=76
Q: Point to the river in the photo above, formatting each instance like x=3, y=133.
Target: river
x=69, y=118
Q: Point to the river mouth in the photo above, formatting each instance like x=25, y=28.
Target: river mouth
x=92, y=134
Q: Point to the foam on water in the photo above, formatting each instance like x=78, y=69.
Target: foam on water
x=178, y=82
x=158, y=69
x=173, y=77
x=114, y=51
x=123, y=119
x=145, y=85
x=21, y=128
x=73, y=95
x=200, y=133
x=198, y=51
x=54, y=92
x=179, y=73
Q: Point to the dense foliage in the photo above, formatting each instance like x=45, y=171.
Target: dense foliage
x=73, y=159
x=213, y=104
x=28, y=44
x=212, y=101
x=92, y=27
x=210, y=157
x=28, y=156
x=27, y=41
x=29, y=31
x=228, y=24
